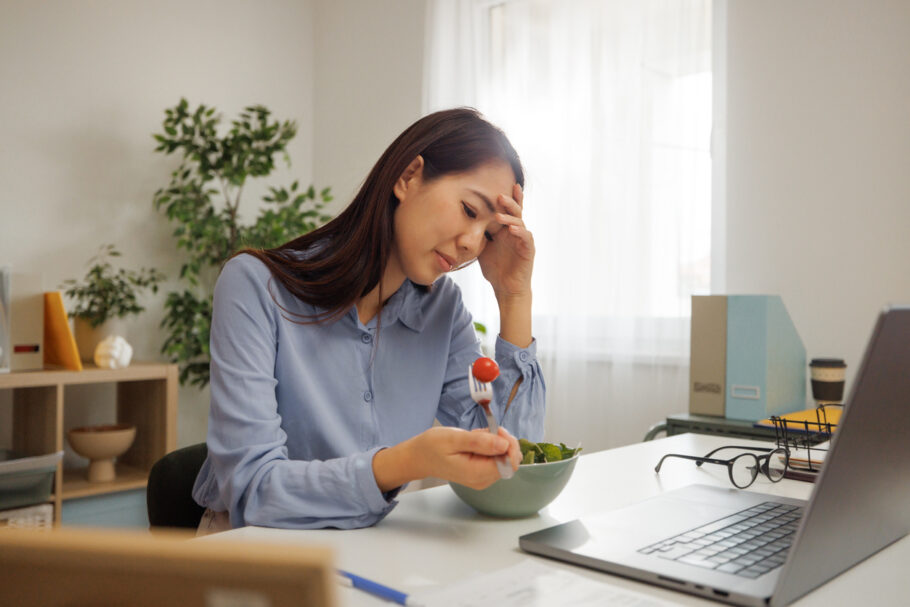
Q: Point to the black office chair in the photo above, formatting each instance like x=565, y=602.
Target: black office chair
x=168, y=497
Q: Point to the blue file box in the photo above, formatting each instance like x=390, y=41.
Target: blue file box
x=766, y=359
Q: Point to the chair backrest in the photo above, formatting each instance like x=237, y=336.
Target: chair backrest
x=171, y=479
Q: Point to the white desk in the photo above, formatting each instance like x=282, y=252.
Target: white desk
x=433, y=539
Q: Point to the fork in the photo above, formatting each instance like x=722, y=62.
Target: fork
x=482, y=394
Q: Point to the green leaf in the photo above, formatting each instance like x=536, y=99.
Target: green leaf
x=551, y=452
x=207, y=226
x=104, y=293
x=539, y=453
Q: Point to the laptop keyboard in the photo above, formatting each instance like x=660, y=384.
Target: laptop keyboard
x=750, y=543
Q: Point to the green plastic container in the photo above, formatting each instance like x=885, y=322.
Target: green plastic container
x=25, y=481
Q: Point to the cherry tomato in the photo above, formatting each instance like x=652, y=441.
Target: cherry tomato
x=485, y=369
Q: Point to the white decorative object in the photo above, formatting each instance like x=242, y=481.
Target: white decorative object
x=88, y=337
x=113, y=352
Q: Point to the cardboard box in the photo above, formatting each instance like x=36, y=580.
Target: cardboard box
x=708, y=356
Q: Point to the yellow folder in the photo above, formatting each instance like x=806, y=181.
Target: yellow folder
x=59, y=344
x=830, y=415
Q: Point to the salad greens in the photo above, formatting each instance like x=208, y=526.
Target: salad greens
x=540, y=453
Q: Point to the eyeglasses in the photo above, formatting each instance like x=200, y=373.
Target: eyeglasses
x=744, y=468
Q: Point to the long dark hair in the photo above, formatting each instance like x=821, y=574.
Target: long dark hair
x=349, y=253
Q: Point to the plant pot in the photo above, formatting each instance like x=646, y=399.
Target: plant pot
x=88, y=337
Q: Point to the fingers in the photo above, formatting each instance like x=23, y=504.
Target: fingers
x=510, y=205
x=511, y=219
x=514, y=204
x=514, y=453
x=481, y=442
x=484, y=470
x=514, y=226
x=476, y=442
x=467, y=457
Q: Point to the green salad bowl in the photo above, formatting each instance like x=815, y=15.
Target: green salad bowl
x=533, y=487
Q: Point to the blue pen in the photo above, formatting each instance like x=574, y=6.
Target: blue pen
x=376, y=589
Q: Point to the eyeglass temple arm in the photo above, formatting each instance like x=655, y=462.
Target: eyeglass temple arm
x=698, y=460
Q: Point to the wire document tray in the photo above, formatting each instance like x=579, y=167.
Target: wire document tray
x=807, y=439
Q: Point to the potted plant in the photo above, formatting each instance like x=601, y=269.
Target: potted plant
x=203, y=199
x=106, y=296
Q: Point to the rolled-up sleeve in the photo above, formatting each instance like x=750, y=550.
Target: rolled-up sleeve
x=523, y=417
x=248, y=472
x=526, y=411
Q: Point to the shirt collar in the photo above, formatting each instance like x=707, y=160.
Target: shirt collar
x=405, y=306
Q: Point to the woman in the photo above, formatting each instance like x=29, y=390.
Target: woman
x=332, y=355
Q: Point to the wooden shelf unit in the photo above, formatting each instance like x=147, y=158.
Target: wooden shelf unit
x=146, y=397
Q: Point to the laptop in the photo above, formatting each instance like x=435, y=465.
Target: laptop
x=749, y=548
x=71, y=567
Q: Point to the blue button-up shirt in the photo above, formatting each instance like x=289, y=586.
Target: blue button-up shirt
x=298, y=411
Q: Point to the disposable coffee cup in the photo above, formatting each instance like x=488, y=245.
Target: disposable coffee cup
x=828, y=375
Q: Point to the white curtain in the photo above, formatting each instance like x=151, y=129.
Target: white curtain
x=608, y=103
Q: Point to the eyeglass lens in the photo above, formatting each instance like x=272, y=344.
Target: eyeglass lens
x=777, y=464
x=743, y=470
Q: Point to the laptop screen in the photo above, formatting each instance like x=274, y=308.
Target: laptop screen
x=861, y=502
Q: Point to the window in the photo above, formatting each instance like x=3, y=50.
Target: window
x=609, y=106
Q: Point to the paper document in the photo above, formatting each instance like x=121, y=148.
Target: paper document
x=534, y=584
x=800, y=456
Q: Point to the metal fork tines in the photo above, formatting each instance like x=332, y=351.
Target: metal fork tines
x=482, y=393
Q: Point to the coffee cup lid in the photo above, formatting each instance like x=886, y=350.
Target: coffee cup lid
x=828, y=362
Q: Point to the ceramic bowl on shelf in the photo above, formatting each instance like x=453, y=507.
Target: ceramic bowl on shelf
x=533, y=487
x=101, y=445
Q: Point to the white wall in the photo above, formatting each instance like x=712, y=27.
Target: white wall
x=368, y=87
x=83, y=85
x=818, y=156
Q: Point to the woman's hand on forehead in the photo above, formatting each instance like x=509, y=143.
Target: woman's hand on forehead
x=507, y=261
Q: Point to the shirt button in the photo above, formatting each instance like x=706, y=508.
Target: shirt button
x=366, y=338
x=368, y=396
x=523, y=356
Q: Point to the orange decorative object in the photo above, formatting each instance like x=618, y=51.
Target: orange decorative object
x=59, y=344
